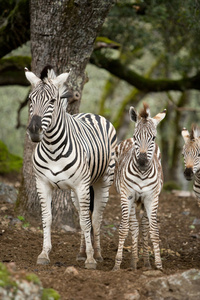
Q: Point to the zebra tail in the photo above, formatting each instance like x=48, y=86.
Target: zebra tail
x=91, y=205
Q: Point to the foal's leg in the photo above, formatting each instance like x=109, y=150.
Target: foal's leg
x=145, y=236
x=151, y=207
x=134, y=228
x=126, y=204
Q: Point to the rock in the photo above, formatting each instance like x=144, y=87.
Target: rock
x=20, y=285
x=71, y=270
x=183, y=194
x=152, y=273
x=7, y=193
x=68, y=228
x=132, y=296
x=182, y=286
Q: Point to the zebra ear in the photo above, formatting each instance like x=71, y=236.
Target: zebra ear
x=133, y=114
x=32, y=78
x=60, y=80
x=195, y=131
x=159, y=117
x=186, y=135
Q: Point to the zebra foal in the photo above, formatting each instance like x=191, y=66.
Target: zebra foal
x=139, y=177
x=191, y=154
x=75, y=152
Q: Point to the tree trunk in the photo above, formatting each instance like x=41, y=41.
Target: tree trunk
x=62, y=35
x=176, y=169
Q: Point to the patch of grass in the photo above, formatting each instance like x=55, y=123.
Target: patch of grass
x=50, y=294
x=8, y=161
x=33, y=278
x=5, y=278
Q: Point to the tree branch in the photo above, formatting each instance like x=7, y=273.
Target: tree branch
x=115, y=67
x=16, y=31
x=12, y=70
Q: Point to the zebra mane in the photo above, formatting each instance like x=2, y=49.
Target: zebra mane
x=47, y=72
x=145, y=112
x=195, y=132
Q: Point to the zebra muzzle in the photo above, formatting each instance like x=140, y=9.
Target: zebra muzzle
x=188, y=173
x=142, y=160
x=35, y=130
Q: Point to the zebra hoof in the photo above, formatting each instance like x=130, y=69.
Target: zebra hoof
x=81, y=257
x=159, y=268
x=90, y=266
x=115, y=268
x=98, y=258
x=133, y=267
x=147, y=265
x=42, y=261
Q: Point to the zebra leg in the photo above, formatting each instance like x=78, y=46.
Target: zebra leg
x=123, y=228
x=151, y=207
x=45, y=196
x=83, y=195
x=82, y=253
x=134, y=228
x=101, y=195
x=145, y=236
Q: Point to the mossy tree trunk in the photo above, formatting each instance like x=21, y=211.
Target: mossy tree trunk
x=62, y=35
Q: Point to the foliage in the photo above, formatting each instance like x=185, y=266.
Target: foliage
x=9, y=162
x=5, y=278
x=171, y=185
x=12, y=284
x=50, y=294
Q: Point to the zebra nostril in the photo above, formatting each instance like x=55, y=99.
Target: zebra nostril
x=188, y=173
x=142, y=159
x=35, y=129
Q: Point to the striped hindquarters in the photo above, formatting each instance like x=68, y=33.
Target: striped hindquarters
x=98, y=138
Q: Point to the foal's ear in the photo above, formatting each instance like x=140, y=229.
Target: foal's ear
x=32, y=78
x=159, y=117
x=195, y=132
x=186, y=135
x=133, y=114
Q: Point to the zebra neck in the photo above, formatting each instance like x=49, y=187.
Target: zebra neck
x=57, y=133
x=197, y=176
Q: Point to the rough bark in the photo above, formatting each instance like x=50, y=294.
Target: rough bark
x=176, y=172
x=62, y=35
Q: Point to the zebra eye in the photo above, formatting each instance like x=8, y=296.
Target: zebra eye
x=153, y=138
x=52, y=101
x=199, y=154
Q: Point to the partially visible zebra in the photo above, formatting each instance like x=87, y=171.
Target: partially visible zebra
x=139, y=178
x=191, y=154
x=74, y=152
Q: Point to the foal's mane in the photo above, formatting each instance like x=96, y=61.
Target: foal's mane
x=145, y=112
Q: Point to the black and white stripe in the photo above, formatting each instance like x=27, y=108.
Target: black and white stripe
x=139, y=178
x=191, y=154
x=74, y=152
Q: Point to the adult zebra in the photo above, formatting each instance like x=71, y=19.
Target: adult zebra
x=191, y=154
x=74, y=152
x=139, y=178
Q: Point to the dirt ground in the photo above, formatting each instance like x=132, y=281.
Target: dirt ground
x=179, y=224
